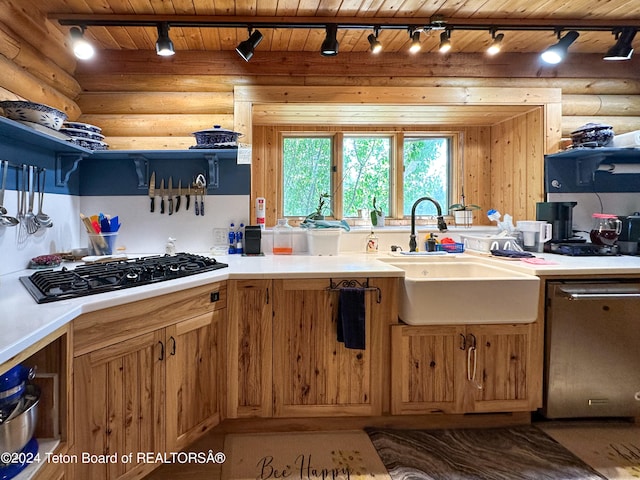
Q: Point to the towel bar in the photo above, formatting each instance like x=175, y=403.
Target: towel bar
x=334, y=287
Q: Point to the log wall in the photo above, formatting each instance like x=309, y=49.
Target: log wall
x=142, y=101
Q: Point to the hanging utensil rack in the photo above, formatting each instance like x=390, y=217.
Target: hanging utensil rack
x=352, y=283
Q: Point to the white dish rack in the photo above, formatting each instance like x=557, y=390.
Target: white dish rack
x=487, y=243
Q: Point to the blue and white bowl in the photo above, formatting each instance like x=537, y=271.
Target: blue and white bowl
x=80, y=133
x=33, y=112
x=216, y=137
x=89, y=143
x=82, y=126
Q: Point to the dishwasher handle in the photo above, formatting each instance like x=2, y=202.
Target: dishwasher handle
x=599, y=293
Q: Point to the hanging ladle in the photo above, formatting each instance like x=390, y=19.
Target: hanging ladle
x=5, y=220
x=42, y=218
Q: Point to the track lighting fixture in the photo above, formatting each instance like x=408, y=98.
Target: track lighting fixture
x=330, y=45
x=445, y=42
x=556, y=53
x=496, y=44
x=246, y=48
x=82, y=49
x=374, y=44
x=622, y=50
x=415, y=41
x=164, y=45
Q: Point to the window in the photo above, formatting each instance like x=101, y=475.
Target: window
x=356, y=167
x=365, y=173
x=306, y=163
x=426, y=173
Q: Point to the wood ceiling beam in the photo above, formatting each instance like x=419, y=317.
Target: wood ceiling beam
x=345, y=22
x=360, y=64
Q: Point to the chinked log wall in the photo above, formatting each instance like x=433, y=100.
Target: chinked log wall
x=142, y=101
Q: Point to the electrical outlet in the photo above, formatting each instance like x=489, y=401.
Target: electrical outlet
x=220, y=236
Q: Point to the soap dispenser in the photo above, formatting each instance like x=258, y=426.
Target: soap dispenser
x=372, y=243
x=431, y=243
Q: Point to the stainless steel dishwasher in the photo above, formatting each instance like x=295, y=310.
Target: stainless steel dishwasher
x=592, y=349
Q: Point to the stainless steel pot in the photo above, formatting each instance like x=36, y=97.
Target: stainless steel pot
x=16, y=432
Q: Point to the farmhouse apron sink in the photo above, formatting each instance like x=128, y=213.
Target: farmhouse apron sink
x=454, y=290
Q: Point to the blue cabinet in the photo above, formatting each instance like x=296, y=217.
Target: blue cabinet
x=588, y=170
x=79, y=171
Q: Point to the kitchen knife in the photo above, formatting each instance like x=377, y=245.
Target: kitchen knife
x=170, y=195
x=162, y=196
x=179, y=196
x=152, y=191
x=188, y=196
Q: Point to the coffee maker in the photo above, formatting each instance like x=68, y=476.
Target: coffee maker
x=560, y=216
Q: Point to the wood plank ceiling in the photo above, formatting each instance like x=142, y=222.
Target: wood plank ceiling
x=554, y=12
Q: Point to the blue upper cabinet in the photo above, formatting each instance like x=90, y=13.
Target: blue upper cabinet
x=587, y=170
x=78, y=171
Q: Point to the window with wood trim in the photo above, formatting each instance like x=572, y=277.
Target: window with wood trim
x=353, y=167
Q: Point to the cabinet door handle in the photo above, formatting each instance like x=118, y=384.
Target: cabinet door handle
x=472, y=364
x=161, y=351
x=267, y=297
x=463, y=342
x=173, y=345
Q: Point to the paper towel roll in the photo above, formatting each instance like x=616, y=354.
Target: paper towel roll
x=620, y=167
x=631, y=139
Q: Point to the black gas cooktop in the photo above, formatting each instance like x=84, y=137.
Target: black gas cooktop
x=53, y=285
x=581, y=249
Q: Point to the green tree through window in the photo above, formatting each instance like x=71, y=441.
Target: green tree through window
x=426, y=173
x=365, y=173
x=307, y=173
x=367, y=169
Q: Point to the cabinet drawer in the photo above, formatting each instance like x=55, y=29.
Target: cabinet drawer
x=105, y=327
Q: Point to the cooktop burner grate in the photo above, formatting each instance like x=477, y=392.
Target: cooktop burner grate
x=53, y=285
x=582, y=249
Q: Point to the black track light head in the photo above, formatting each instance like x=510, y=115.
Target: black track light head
x=330, y=44
x=164, y=45
x=622, y=50
x=556, y=53
x=246, y=48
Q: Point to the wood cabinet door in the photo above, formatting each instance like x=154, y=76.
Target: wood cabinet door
x=193, y=376
x=502, y=368
x=313, y=373
x=249, y=349
x=426, y=367
x=119, y=407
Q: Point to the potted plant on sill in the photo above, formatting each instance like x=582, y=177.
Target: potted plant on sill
x=377, y=215
x=318, y=213
x=463, y=212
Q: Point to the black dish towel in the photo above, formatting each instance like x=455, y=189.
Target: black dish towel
x=351, y=318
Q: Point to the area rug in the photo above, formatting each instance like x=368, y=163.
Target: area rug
x=302, y=456
x=611, y=449
x=522, y=452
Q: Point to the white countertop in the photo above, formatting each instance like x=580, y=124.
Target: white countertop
x=23, y=322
